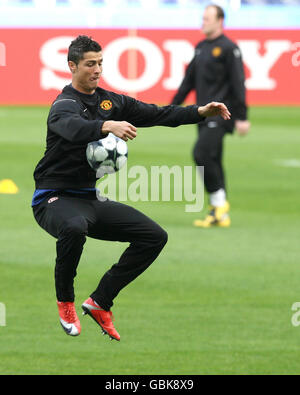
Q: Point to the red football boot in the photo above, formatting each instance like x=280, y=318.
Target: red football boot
x=102, y=317
x=68, y=318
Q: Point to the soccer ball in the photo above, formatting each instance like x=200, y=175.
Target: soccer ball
x=108, y=155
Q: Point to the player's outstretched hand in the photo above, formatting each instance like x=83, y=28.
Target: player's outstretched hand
x=122, y=129
x=214, y=108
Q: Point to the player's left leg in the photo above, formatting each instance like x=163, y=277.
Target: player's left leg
x=208, y=152
x=119, y=222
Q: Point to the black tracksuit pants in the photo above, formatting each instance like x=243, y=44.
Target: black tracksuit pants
x=208, y=152
x=71, y=219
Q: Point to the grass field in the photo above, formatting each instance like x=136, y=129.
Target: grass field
x=216, y=301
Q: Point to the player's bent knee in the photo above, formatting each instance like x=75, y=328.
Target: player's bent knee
x=199, y=158
x=204, y=158
x=164, y=237
x=161, y=237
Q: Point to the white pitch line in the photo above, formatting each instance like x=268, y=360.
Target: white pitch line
x=288, y=163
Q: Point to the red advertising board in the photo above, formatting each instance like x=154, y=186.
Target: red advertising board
x=148, y=64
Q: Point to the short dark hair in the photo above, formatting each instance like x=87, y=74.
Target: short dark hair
x=220, y=11
x=81, y=45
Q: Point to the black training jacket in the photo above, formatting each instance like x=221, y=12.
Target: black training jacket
x=75, y=119
x=217, y=74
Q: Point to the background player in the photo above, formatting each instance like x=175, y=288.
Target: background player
x=216, y=73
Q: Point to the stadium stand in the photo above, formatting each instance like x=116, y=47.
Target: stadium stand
x=174, y=14
x=140, y=3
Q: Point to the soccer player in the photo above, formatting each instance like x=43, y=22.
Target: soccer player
x=65, y=203
x=216, y=73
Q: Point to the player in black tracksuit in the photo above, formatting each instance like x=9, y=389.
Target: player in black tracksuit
x=216, y=73
x=65, y=203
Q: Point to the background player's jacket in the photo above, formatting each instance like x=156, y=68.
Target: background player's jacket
x=75, y=119
x=217, y=74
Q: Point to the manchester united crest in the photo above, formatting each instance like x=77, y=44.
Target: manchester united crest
x=216, y=51
x=106, y=105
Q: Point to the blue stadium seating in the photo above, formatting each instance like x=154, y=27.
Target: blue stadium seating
x=177, y=14
x=174, y=3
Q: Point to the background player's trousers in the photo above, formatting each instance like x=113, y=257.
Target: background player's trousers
x=208, y=152
x=70, y=220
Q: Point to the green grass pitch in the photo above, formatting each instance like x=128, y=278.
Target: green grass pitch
x=216, y=301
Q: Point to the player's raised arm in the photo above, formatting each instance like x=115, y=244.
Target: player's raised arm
x=142, y=114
